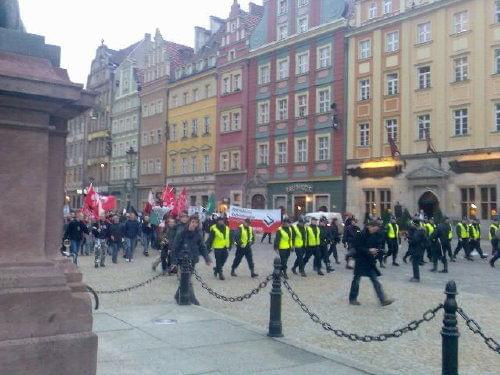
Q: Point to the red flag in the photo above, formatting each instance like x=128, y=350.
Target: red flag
x=148, y=207
x=91, y=203
x=182, y=201
x=168, y=197
x=107, y=202
x=394, y=146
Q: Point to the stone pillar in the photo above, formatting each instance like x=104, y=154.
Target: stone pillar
x=45, y=314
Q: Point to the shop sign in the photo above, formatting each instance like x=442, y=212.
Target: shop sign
x=299, y=188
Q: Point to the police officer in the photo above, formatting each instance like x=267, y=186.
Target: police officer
x=493, y=236
x=416, y=247
x=351, y=229
x=312, y=245
x=446, y=245
x=325, y=239
x=335, y=239
x=440, y=244
x=475, y=239
x=244, y=240
x=100, y=230
x=283, y=244
x=393, y=240
x=463, y=239
x=299, y=239
x=429, y=229
x=366, y=245
x=220, y=242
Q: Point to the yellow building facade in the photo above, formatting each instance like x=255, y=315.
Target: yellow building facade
x=426, y=77
x=191, y=134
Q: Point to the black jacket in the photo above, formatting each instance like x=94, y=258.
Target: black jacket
x=334, y=233
x=115, y=230
x=417, y=240
x=365, y=263
x=190, y=243
x=350, y=232
x=75, y=230
x=100, y=230
x=147, y=228
x=325, y=235
x=441, y=233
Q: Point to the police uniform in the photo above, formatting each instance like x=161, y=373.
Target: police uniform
x=312, y=247
x=392, y=238
x=283, y=244
x=492, y=235
x=463, y=239
x=440, y=242
x=416, y=246
x=244, y=240
x=475, y=239
x=299, y=239
x=219, y=241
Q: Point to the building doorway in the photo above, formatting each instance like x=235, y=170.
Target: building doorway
x=428, y=203
x=258, y=202
x=299, y=205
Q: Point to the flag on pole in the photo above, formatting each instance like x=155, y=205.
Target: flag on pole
x=168, y=197
x=394, y=147
x=211, y=204
x=148, y=207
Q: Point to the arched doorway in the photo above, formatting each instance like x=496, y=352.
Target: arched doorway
x=428, y=203
x=258, y=202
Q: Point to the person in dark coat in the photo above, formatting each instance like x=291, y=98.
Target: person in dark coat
x=335, y=239
x=189, y=243
x=351, y=229
x=366, y=245
x=100, y=230
x=74, y=233
x=131, y=231
x=417, y=242
x=115, y=238
x=325, y=237
x=440, y=242
x=147, y=230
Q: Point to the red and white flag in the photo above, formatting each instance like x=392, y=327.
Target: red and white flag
x=168, y=197
x=148, y=207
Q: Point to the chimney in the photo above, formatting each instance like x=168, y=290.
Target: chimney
x=147, y=37
x=215, y=24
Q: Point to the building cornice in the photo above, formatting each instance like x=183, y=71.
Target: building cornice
x=192, y=78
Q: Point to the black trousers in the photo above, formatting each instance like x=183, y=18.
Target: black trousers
x=333, y=251
x=495, y=251
x=165, y=259
x=243, y=252
x=299, y=261
x=462, y=244
x=476, y=245
x=220, y=259
x=439, y=253
x=392, y=249
x=264, y=237
x=324, y=254
x=284, y=255
x=353, y=294
x=446, y=246
x=313, y=251
x=416, y=259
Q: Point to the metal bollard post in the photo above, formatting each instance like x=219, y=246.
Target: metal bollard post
x=449, y=332
x=185, y=278
x=275, y=326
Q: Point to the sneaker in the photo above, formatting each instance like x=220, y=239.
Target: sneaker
x=387, y=302
x=103, y=265
x=354, y=303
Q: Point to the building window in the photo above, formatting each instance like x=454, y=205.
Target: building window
x=185, y=98
x=208, y=91
x=392, y=83
x=461, y=121
x=370, y=206
x=364, y=135
x=497, y=11
x=158, y=166
x=281, y=109
x=324, y=57
x=235, y=160
x=184, y=129
x=372, y=10
x=424, y=77
x=226, y=85
x=323, y=100
x=151, y=166
x=173, y=133
x=263, y=113
x=144, y=167
x=206, y=163
x=497, y=61
x=281, y=152
x=264, y=74
x=283, y=68
x=323, y=148
x=460, y=22
x=302, y=63
x=262, y=154
x=236, y=121
x=387, y=6
x=193, y=164
x=301, y=105
x=184, y=165
x=301, y=150
x=231, y=54
x=237, y=82
x=423, y=126
x=391, y=128
x=206, y=125
x=282, y=6
x=467, y=200
x=385, y=200
x=392, y=41
x=282, y=31
x=194, y=128
x=224, y=161
x=488, y=202
x=364, y=89
x=195, y=95
x=302, y=3
x=496, y=125
x=225, y=127
x=461, y=67
x=302, y=24
x=365, y=49
x=424, y=32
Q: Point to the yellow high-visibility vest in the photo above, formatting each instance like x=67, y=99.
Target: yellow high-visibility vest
x=245, y=239
x=391, y=233
x=221, y=240
x=495, y=228
x=462, y=232
x=285, y=239
x=475, y=232
x=298, y=241
x=429, y=228
x=450, y=232
x=312, y=238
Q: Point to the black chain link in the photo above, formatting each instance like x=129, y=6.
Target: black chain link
x=128, y=289
x=262, y=285
x=477, y=330
x=412, y=326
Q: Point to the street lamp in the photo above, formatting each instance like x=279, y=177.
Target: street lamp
x=131, y=154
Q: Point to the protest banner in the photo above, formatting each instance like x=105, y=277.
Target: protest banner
x=261, y=220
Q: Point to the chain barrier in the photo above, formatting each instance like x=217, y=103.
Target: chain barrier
x=128, y=289
x=477, y=330
x=412, y=326
x=262, y=285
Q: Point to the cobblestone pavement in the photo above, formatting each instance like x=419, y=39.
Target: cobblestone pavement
x=415, y=353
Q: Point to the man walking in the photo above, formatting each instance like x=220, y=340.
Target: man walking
x=115, y=238
x=131, y=232
x=147, y=235
x=366, y=245
x=74, y=232
x=440, y=243
x=393, y=241
x=475, y=239
x=463, y=239
x=493, y=235
x=283, y=244
x=351, y=229
x=313, y=242
x=299, y=240
x=416, y=247
x=324, y=241
x=219, y=241
x=100, y=230
x=244, y=240
x=335, y=239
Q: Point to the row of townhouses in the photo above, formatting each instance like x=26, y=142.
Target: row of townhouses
x=304, y=105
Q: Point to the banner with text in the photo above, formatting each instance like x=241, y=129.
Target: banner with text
x=262, y=220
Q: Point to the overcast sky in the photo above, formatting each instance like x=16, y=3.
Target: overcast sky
x=79, y=25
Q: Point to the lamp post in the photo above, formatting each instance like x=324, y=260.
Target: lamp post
x=131, y=154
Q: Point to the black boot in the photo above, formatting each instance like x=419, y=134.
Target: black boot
x=285, y=276
x=253, y=274
x=221, y=276
x=233, y=273
x=294, y=270
x=303, y=274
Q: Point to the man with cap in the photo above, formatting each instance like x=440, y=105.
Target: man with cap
x=312, y=245
x=219, y=241
x=366, y=244
x=393, y=240
x=283, y=244
x=440, y=243
x=324, y=241
x=416, y=246
x=493, y=235
x=244, y=240
x=299, y=239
